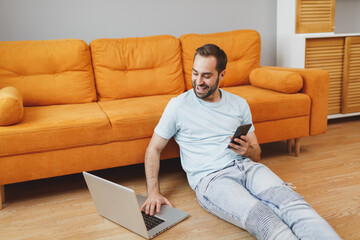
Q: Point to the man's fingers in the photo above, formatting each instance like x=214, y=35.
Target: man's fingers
x=238, y=140
x=152, y=209
x=153, y=205
x=239, y=149
x=147, y=208
x=158, y=206
x=143, y=206
x=167, y=202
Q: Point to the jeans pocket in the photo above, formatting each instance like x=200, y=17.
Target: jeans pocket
x=205, y=182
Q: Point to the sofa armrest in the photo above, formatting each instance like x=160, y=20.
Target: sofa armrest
x=316, y=86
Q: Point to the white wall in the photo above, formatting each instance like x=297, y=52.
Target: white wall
x=92, y=19
x=347, y=16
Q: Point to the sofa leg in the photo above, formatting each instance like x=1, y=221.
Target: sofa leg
x=290, y=144
x=297, y=147
x=294, y=143
x=2, y=195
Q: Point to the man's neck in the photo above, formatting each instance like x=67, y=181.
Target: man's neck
x=215, y=97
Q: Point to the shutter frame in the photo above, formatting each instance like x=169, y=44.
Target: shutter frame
x=315, y=16
x=328, y=54
x=351, y=82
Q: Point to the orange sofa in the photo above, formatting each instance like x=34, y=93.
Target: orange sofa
x=68, y=107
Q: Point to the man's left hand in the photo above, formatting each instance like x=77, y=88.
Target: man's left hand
x=241, y=149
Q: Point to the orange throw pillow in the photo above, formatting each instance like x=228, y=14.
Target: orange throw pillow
x=11, y=106
x=281, y=81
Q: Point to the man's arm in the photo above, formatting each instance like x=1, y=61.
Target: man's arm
x=249, y=147
x=152, y=165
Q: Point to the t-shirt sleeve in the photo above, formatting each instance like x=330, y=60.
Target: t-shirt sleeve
x=166, y=127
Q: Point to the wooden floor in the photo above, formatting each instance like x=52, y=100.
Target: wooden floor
x=326, y=174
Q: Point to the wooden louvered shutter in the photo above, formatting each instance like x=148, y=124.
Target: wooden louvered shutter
x=315, y=16
x=351, y=85
x=328, y=54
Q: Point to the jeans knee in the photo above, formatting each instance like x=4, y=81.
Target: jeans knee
x=263, y=223
x=282, y=196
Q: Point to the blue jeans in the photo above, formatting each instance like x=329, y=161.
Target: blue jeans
x=250, y=196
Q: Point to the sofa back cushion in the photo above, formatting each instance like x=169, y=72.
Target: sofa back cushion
x=242, y=48
x=48, y=72
x=134, y=67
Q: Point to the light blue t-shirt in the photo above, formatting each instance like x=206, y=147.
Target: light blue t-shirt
x=203, y=130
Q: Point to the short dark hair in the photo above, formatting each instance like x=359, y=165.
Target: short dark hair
x=212, y=50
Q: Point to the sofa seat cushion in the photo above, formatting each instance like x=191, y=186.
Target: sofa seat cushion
x=135, y=118
x=56, y=127
x=267, y=105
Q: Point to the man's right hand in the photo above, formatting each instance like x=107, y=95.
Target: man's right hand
x=153, y=202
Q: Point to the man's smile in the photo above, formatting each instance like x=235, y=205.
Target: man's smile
x=202, y=89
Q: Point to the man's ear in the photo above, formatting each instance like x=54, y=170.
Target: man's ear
x=222, y=74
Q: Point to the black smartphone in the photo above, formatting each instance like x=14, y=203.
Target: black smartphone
x=240, y=131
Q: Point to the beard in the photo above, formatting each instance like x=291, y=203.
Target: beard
x=210, y=89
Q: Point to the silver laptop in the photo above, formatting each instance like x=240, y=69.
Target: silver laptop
x=120, y=205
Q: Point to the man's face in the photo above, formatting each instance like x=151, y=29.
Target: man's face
x=205, y=78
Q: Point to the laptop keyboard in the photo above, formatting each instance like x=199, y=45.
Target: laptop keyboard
x=151, y=221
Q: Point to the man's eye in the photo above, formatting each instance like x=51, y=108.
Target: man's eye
x=195, y=74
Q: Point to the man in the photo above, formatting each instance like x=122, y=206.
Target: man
x=228, y=181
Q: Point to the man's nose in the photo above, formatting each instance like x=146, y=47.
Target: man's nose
x=199, y=80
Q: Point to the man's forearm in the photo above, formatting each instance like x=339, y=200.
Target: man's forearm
x=154, y=199
x=253, y=153
x=152, y=166
x=152, y=162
